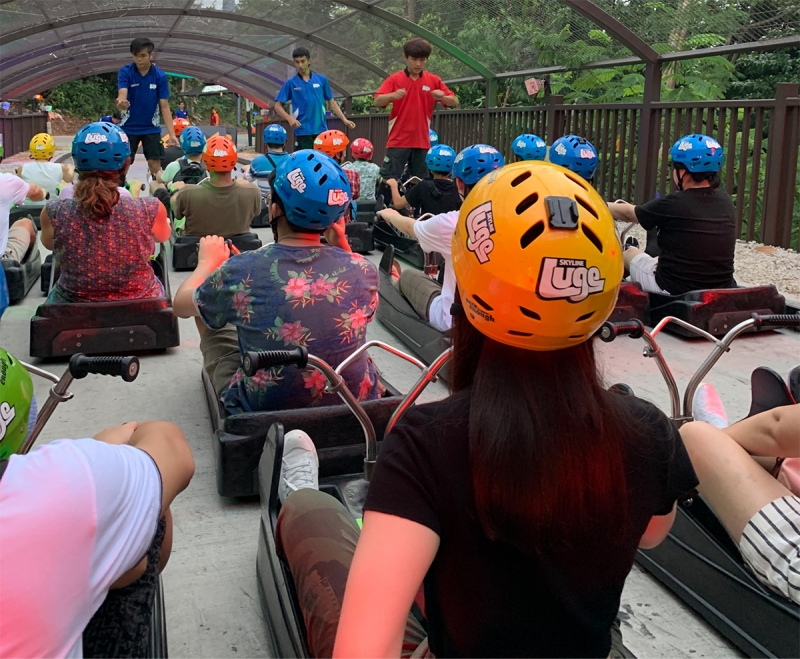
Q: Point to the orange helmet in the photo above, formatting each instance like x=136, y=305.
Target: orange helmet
x=331, y=142
x=179, y=124
x=536, y=257
x=220, y=154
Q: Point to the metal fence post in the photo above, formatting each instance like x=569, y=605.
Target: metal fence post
x=781, y=172
x=555, y=118
x=649, y=134
x=489, y=102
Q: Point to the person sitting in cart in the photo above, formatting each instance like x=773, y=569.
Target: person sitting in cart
x=760, y=513
x=78, y=519
x=294, y=292
x=430, y=299
x=519, y=502
x=218, y=205
x=16, y=240
x=264, y=164
x=102, y=240
x=696, y=225
x=436, y=195
x=369, y=173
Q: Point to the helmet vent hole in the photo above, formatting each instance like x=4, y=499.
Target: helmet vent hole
x=526, y=203
x=582, y=202
x=482, y=303
x=592, y=236
x=318, y=166
x=531, y=234
x=577, y=336
x=585, y=316
x=323, y=179
x=516, y=333
x=575, y=179
x=522, y=177
x=531, y=314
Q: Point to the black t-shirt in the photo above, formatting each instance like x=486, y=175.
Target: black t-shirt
x=435, y=196
x=697, y=238
x=488, y=599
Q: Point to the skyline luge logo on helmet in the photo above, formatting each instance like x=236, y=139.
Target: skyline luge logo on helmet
x=480, y=227
x=95, y=138
x=338, y=197
x=7, y=414
x=568, y=279
x=297, y=181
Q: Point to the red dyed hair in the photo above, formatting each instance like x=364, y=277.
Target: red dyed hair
x=97, y=191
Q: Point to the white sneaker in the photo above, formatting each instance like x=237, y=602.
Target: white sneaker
x=300, y=468
x=707, y=406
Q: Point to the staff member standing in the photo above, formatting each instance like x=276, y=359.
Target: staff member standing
x=310, y=95
x=143, y=93
x=413, y=93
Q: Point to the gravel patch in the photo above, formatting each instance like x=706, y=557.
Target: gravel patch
x=755, y=264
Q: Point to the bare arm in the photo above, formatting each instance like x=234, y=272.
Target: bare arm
x=774, y=433
x=382, y=100
x=161, y=228
x=405, y=224
x=122, y=99
x=283, y=114
x=166, y=114
x=398, y=200
x=47, y=229
x=449, y=101
x=334, y=107
x=622, y=211
x=391, y=560
x=657, y=530
x=67, y=173
x=213, y=252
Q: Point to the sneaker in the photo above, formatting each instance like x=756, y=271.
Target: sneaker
x=300, y=468
x=707, y=406
x=630, y=241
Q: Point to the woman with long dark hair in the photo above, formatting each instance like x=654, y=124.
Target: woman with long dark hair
x=103, y=241
x=518, y=503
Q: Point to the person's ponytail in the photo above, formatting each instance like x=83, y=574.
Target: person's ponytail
x=97, y=192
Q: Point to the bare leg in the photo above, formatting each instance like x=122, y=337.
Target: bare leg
x=154, y=166
x=629, y=254
x=734, y=485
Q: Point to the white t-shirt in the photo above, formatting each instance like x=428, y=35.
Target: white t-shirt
x=436, y=235
x=68, y=192
x=13, y=190
x=47, y=175
x=75, y=515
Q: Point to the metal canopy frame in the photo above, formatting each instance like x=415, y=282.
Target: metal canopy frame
x=222, y=70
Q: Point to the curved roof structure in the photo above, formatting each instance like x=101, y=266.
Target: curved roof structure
x=246, y=45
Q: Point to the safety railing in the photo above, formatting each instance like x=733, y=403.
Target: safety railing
x=761, y=139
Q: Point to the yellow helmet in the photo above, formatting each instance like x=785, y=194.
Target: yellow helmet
x=42, y=146
x=536, y=257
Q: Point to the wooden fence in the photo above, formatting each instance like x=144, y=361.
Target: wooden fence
x=17, y=131
x=761, y=139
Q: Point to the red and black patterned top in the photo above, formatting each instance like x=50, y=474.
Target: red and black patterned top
x=104, y=259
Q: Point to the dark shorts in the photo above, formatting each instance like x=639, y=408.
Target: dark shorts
x=151, y=145
x=304, y=142
x=395, y=160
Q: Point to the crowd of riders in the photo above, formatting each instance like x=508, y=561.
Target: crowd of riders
x=532, y=478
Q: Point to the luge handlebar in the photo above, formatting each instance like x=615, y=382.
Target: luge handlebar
x=632, y=328
x=254, y=361
x=126, y=368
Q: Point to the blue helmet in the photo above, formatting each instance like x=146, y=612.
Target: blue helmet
x=698, y=153
x=313, y=188
x=275, y=134
x=529, y=147
x=193, y=141
x=474, y=162
x=434, y=138
x=576, y=154
x=440, y=159
x=100, y=146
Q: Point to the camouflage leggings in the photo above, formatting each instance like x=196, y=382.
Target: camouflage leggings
x=317, y=537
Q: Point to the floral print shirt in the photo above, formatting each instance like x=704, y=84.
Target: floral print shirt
x=280, y=297
x=369, y=173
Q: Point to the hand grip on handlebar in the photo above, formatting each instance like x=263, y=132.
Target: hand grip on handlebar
x=610, y=331
x=776, y=320
x=126, y=368
x=254, y=361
